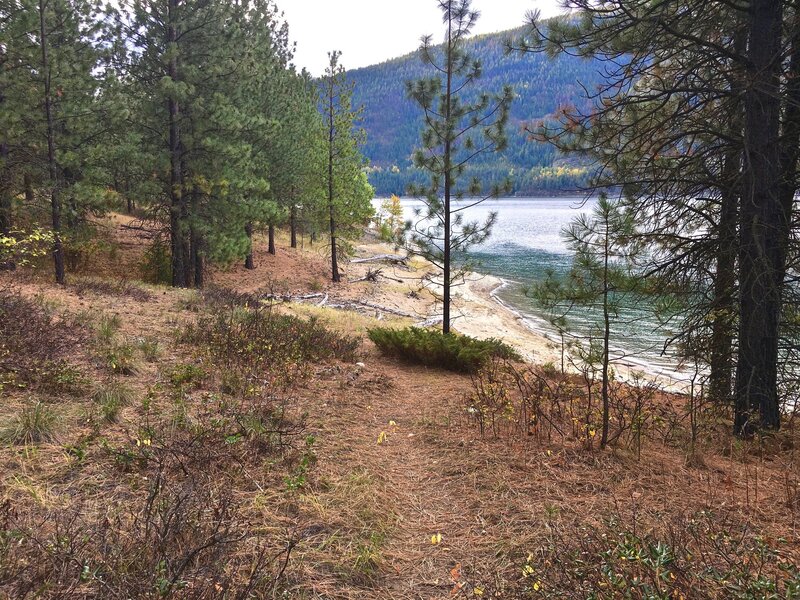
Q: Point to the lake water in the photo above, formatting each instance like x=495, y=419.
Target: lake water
x=526, y=242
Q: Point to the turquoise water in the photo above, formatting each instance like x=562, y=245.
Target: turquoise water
x=526, y=242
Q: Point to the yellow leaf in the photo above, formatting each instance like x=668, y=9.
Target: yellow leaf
x=436, y=539
x=382, y=437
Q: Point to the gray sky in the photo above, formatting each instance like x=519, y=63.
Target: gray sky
x=371, y=31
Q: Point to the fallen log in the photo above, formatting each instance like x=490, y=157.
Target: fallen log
x=391, y=311
x=429, y=322
x=397, y=259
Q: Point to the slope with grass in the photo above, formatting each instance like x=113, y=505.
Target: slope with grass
x=542, y=86
x=228, y=444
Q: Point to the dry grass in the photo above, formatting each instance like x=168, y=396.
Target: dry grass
x=334, y=487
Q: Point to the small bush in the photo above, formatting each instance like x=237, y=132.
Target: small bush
x=156, y=264
x=61, y=377
x=34, y=424
x=111, y=398
x=453, y=352
x=120, y=359
x=104, y=287
x=34, y=345
x=150, y=348
x=263, y=347
x=108, y=327
x=704, y=555
x=187, y=376
x=84, y=243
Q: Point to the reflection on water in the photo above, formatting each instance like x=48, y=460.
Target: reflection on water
x=526, y=243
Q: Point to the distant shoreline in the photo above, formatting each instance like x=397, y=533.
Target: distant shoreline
x=517, y=196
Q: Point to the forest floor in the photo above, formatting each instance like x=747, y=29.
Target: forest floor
x=388, y=490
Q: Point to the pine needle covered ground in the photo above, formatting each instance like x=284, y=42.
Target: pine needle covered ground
x=164, y=443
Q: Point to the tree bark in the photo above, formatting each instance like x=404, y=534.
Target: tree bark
x=248, y=260
x=6, y=217
x=723, y=306
x=764, y=229
x=197, y=259
x=30, y=197
x=177, y=230
x=606, y=332
x=5, y=190
x=447, y=180
x=5, y=178
x=293, y=225
x=332, y=213
x=52, y=167
x=271, y=236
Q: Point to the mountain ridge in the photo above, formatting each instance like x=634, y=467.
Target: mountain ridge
x=542, y=85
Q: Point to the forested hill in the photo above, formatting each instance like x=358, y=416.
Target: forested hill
x=393, y=123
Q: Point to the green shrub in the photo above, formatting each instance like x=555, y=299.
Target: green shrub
x=61, y=377
x=150, y=348
x=35, y=423
x=260, y=345
x=120, y=359
x=156, y=264
x=108, y=327
x=187, y=376
x=35, y=346
x=111, y=398
x=450, y=351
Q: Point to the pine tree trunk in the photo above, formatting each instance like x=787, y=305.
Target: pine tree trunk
x=723, y=306
x=5, y=180
x=332, y=214
x=197, y=259
x=293, y=226
x=447, y=181
x=6, y=218
x=248, y=260
x=30, y=197
x=764, y=230
x=177, y=230
x=55, y=199
x=6, y=193
x=271, y=236
x=5, y=190
x=790, y=142
x=606, y=335
x=723, y=328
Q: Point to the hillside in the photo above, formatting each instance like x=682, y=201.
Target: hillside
x=542, y=85
x=164, y=443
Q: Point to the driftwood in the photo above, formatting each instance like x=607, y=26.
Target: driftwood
x=373, y=274
x=391, y=311
x=290, y=298
x=396, y=259
x=429, y=322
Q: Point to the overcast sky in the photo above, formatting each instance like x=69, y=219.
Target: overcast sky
x=371, y=31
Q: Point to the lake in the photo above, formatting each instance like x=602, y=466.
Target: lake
x=526, y=242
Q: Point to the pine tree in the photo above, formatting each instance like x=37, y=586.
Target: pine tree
x=348, y=192
x=457, y=132
x=601, y=278
x=51, y=53
x=704, y=139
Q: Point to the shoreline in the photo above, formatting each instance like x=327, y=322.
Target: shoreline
x=672, y=379
x=479, y=311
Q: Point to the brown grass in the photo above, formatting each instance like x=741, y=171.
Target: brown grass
x=355, y=517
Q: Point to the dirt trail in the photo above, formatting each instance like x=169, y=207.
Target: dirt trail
x=398, y=464
x=400, y=435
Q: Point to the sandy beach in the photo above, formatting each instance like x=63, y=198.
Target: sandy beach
x=477, y=311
